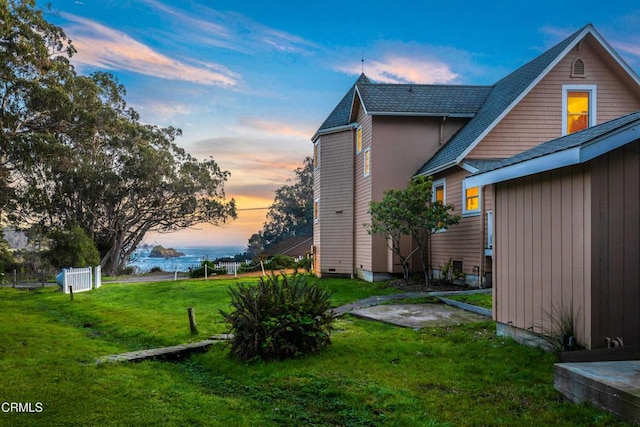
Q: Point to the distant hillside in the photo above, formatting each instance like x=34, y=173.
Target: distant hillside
x=16, y=239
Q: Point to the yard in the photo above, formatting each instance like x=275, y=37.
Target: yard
x=372, y=374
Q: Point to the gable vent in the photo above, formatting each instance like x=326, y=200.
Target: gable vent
x=577, y=68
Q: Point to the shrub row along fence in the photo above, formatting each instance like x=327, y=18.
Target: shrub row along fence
x=81, y=279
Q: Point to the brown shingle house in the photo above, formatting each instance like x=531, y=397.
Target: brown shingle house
x=379, y=136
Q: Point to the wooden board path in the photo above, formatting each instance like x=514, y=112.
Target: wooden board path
x=171, y=353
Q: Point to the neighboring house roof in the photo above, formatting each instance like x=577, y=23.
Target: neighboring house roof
x=293, y=246
x=568, y=150
x=421, y=100
x=505, y=95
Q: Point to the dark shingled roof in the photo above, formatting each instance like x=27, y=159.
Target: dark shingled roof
x=504, y=93
x=567, y=142
x=340, y=116
x=422, y=99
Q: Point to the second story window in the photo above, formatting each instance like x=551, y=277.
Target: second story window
x=579, y=107
x=367, y=162
x=471, y=200
x=359, y=140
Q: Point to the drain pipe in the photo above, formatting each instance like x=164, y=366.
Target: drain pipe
x=483, y=236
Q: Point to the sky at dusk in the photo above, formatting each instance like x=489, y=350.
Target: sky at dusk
x=249, y=82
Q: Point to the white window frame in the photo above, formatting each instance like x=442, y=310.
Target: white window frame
x=359, y=135
x=488, y=251
x=593, y=102
x=473, y=212
x=316, y=155
x=366, y=158
x=316, y=210
x=436, y=184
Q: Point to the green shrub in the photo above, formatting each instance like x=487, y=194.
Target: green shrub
x=305, y=264
x=211, y=270
x=278, y=318
x=278, y=262
x=72, y=248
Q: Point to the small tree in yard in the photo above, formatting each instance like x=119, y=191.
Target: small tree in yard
x=410, y=212
x=281, y=317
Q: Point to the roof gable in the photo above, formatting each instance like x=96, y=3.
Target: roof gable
x=506, y=94
x=568, y=150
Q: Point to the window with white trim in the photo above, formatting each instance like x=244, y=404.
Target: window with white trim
x=471, y=200
x=359, y=140
x=367, y=162
x=439, y=191
x=578, y=107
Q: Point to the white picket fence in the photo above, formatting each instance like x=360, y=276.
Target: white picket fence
x=81, y=279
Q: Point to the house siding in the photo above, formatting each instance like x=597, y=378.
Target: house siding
x=364, y=245
x=463, y=241
x=333, y=188
x=615, y=267
x=538, y=116
x=543, y=243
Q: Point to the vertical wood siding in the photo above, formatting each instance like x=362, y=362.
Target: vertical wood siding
x=615, y=270
x=543, y=243
x=538, y=117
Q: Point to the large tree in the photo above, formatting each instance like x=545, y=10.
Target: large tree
x=34, y=67
x=291, y=213
x=411, y=212
x=74, y=154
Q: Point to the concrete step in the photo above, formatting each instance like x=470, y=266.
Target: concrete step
x=612, y=386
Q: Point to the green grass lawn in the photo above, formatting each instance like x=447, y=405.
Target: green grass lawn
x=480, y=300
x=372, y=374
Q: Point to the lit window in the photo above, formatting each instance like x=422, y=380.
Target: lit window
x=438, y=188
x=578, y=104
x=471, y=200
x=316, y=210
x=359, y=140
x=316, y=154
x=367, y=162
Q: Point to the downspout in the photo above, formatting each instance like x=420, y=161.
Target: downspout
x=482, y=236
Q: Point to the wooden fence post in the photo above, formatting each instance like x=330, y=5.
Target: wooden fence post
x=15, y=277
x=192, y=321
x=71, y=292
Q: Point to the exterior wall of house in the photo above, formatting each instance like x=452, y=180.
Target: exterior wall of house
x=333, y=189
x=538, y=116
x=615, y=267
x=398, y=147
x=467, y=240
x=543, y=247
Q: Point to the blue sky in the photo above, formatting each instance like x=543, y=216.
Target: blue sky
x=249, y=82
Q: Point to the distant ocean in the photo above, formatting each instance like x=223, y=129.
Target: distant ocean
x=192, y=257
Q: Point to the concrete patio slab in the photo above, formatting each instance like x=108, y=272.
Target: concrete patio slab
x=418, y=315
x=613, y=386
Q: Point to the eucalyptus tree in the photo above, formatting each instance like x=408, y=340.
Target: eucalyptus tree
x=410, y=212
x=34, y=66
x=291, y=213
x=118, y=178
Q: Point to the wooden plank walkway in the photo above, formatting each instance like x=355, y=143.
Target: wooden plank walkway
x=166, y=353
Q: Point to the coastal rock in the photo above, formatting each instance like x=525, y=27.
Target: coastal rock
x=162, y=252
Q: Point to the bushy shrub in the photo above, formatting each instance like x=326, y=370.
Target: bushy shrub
x=72, y=248
x=211, y=269
x=305, y=264
x=278, y=318
x=278, y=262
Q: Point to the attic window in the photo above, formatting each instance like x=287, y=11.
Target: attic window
x=578, y=68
